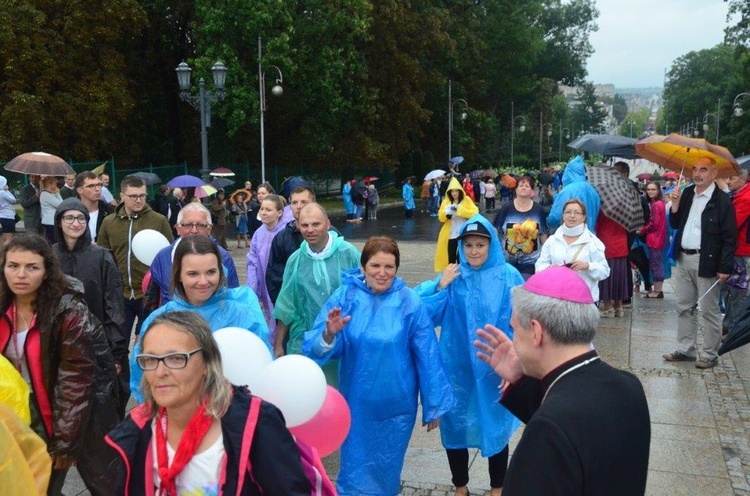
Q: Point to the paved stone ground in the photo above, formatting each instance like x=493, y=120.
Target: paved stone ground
x=700, y=419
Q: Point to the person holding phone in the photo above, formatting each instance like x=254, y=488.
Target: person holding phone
x=576, y=247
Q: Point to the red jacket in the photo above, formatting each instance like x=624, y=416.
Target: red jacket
x=614, y=237
x=656, y=229
x=741, y=202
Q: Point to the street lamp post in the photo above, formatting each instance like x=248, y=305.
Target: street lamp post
x=521, y=128
x=566, y=131
x=630, y=124
x=464, y=114
x=705, y=125
x=737, y=109
x=277, y=90
x=542, y=127
x=203, y=102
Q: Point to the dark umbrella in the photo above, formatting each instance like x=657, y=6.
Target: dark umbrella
x=619, y=199
x=744, y=162
x=221, y=172
x=291, y=183
x=39, y=163
x=221, y=182
x=148, y=177
x=185, y=181
x=546, y=178
x=739, y=332
x=611, y=145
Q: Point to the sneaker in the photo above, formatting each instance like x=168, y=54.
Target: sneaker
x=705, y=363
x=678, y=357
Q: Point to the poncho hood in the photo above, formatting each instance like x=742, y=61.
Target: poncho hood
x=495, y=257
x=575, y=171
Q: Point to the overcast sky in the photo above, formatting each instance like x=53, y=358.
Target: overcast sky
x=638, y=39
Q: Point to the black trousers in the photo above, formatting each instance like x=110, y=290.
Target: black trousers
x=453, y=250
x=458, y=460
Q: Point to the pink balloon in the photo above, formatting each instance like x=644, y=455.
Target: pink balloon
x=146, y=281
x=328, y=429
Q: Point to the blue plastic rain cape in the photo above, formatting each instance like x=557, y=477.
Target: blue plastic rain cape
x=308, y=283
x=236, y=307
x=475, y=298
x=388, y=353
x=575, y=186
x=346, y=194
x=407, y=193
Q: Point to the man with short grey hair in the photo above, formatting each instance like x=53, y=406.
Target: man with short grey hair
x=193, y=219
x=704, y=248
x=588, y=430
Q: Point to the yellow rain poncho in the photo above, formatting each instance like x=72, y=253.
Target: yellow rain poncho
x=465, y=209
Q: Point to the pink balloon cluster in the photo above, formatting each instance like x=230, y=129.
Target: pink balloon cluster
x=328, y=429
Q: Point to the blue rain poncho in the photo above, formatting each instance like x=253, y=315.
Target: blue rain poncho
x=236, y=307
x=388, y=354
x=308, y=283
x=575, y=186
x=407, y=193
x=475, y=298
x=346, y=194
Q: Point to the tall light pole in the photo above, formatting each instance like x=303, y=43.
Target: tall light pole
x=630, y=134
x=542, y=127
x=203, y=102
x=566, y=131
x=521, y=128
x=464, y=114
x=277, y=90
x=705, y=125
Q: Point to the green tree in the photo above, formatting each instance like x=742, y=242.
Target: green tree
x=589, y=114
x=634, y=124
x=64, y=86
x=619, y=107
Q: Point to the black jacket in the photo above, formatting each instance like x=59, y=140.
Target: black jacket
x=274, y=456
x=718, y=231
x=590, y=435
x=286, y=242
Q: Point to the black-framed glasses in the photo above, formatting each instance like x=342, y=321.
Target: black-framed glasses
x=136, y=197
x=94, y=186
x=174, y=361
x=69, y=219
x=194, y=225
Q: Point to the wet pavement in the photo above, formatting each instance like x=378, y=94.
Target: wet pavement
x=700, y=419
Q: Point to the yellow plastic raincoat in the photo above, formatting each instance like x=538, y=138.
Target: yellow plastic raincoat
x=466, y=209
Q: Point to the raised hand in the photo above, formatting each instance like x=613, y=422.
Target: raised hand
x=496, y=349
x=335, y=324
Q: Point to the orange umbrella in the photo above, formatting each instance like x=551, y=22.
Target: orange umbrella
x=247, y=193
x=508, y=180
x=676, y=152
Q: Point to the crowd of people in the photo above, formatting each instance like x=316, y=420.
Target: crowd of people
x=555, y=263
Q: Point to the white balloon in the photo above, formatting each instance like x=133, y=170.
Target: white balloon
x=244, y=356
x=296, y=385
x=147, y=243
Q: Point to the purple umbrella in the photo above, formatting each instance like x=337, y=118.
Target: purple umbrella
x=185, y=181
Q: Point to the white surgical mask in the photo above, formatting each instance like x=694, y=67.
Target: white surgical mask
x=572, y=231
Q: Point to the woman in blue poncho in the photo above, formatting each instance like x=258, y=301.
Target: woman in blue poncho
x=200, y=285
x=465, y=297
x=407, y=193
x=346, y=195
x=381, y=332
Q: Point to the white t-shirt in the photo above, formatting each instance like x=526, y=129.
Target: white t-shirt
x=201, y=476
x=14, y=358
x=93, y=219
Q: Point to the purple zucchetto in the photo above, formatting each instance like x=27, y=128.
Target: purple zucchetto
x=561, y=283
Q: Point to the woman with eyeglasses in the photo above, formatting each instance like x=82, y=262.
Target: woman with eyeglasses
x=60, y=349
x=200, y=285
x=96, y=269
x=195, y=433
x=575, y=247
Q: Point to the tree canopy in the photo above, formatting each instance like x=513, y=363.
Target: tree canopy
x=365, y=82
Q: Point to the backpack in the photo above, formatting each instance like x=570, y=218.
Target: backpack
x=320, y=484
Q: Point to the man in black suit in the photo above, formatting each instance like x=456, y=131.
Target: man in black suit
x=32, y=209
x=588, y=430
